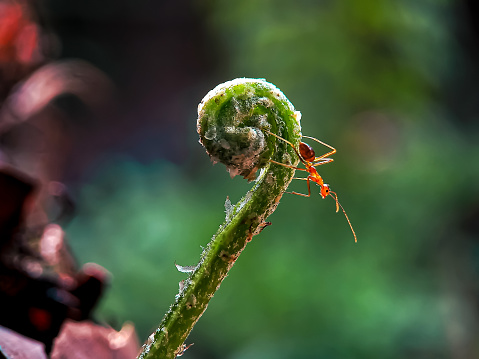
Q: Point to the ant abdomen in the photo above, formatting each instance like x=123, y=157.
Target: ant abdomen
x=306, y=152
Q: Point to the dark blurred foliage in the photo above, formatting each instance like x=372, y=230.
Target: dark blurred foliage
x=392, y=85
x=44, y=292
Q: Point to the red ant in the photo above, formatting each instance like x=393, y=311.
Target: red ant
x=308, y=158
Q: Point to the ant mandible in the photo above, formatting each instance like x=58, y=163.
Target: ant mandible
x=308, y=158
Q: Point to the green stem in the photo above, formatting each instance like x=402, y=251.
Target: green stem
x=232, y=122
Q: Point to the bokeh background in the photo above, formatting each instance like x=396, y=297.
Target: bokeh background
x=393, y=85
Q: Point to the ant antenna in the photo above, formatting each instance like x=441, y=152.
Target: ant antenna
x=347, y=218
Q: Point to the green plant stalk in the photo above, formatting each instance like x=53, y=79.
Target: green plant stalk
x=233, y=122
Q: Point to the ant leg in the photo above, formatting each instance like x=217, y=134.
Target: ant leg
x=289, y=143
x=302, y=194
x=332, y=152
x=285, y=165
x=323, y=161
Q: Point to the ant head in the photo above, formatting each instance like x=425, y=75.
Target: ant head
x=306, y=152
x=325, y=190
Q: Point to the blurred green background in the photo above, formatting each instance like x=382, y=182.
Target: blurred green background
x=393, y=85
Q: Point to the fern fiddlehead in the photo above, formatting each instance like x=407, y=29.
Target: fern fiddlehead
x=233, y=123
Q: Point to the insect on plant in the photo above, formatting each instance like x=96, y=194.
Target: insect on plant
x=308, y=158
